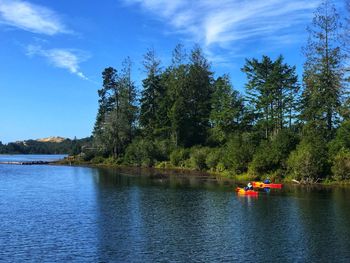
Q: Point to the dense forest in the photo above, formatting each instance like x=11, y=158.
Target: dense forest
x=279, y=127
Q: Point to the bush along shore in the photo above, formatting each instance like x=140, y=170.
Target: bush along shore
x=185, y=116
x=233, y=161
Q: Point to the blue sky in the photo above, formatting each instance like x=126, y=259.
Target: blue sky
x=53, y=52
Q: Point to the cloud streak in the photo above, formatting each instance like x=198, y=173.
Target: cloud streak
x=224, y=22
x=60, y=58
x=30, y=17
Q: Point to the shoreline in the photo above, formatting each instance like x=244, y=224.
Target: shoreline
x=179, y=171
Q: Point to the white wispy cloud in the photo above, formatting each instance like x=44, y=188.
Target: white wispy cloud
x=31, y=17
x=225, y=22
x=62, y=58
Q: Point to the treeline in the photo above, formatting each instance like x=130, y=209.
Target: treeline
x=36, y=147
x=187, y=117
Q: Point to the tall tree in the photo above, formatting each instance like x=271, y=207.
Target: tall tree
x=153, y=110
x=198, y=101
x=115, y=122
x=323, y=70
x=271, y=91
x=108, y=100
x=285, y=94
x=226, y=109
x=109, y=83
x=129, y=108
x=189, y=86
x=175, y=81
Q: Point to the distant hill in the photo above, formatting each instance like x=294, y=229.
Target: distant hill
x=52, y=139
x=50, y=145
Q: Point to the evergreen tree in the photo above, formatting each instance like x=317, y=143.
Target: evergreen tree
x=115, y=122
x=285, y=94
x=198, y=101
x=189, y=87
x=108, y=100
x=323, y=71
x=226, y=110
x=128, y=107
x=175, y=81
x=153, y=110
x=272, y=90
x=105, y=105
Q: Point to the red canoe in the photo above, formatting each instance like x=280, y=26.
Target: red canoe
x=262, y=185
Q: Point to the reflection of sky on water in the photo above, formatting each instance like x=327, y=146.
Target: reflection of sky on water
x=98, y=215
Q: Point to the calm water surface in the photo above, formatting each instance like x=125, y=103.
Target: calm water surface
x=30, y=157
x=74, y=214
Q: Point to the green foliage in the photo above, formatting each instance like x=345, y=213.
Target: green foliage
x=323, y=69
x=213, y=159
x=310, y=159
x=263, y=161
x=272, y=90
x=179, y=156
x=226, y=110
x=272, y=155
x=175, y=81
x=198, y=156
x=164, y=149
x=141, y=153
x=339, y=151
x=153, y=109
x=112, y=161
x=245, y=177
x=164, y=165
x=115, y=122
x=341, y=140
x=189, y=89
x=88, y=156
x=341, y=165
x=238, y=152
x=67, y=146
x=97, y=160
x=144, y=152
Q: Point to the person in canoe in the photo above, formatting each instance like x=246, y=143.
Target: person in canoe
x=267, y=180
x=248, y=187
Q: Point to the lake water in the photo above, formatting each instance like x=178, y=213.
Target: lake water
x=75, y=214
x=30, y=157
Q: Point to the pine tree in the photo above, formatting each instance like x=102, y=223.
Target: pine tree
x=129, y=109
x=226, y=110
x=198, y=101
x=323, y=70
x=189, y=86
x=153, y=110
x=175, y=81
x=108, y=99
x=285, y=94
x=272, y=90
x=115, y=122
